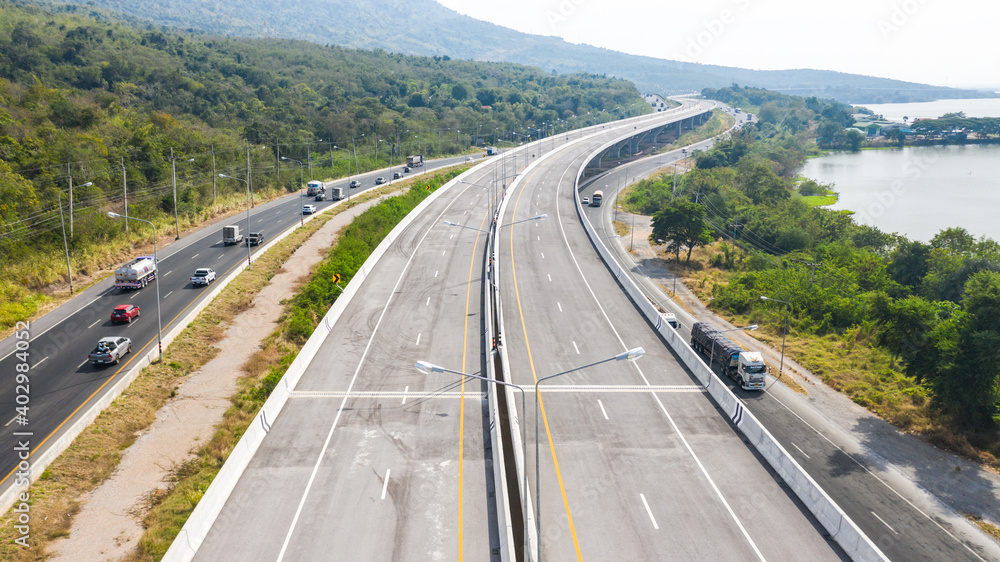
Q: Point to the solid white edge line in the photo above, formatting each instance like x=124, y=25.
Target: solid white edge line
x=385, y=484
x=649, y=511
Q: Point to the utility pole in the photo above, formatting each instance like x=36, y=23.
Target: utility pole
x=277, y=163
x=735, y=226
x=214, y=175
x=813, y=264
x=125, y=193
x=69, y=172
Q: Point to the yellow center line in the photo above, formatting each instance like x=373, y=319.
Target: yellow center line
x=461, y=413
x=541, y=403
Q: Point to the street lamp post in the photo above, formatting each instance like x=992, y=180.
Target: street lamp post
x=69, y=271
x=428, y=368
x=173, y=177
x=781, y=364
x=630, y=355
x=248, y=211
x=539, y=217
x=302, y=219
x=711, y=358
x=159, y=324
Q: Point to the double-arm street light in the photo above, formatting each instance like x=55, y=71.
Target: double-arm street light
x=539, y=217
x=301, y=179
x=428, y=368
x=630, y=355
x=248, y=210
x=69, y=271
x=781, y=364
x=159, y=325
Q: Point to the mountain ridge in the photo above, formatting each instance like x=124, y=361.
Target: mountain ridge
x=415, y=28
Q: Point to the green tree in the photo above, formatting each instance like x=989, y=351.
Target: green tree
x=683, y=222
x=756, y=179
x=895, y=135
x=965, y=380
x=909, y=263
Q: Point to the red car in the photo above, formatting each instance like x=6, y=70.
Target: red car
x=124, y=313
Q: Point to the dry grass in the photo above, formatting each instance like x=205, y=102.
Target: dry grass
x=621, y=228
x=987, y=527
x=96, y=453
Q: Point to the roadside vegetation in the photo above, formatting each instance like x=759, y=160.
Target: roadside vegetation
x=904, y=328
x=121, y=106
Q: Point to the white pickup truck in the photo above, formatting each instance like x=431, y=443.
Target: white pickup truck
x=110, y=350
x=203, y=276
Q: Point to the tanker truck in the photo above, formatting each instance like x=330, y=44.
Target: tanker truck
x=136, y=274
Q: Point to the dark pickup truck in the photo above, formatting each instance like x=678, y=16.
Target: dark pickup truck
x=255, y=238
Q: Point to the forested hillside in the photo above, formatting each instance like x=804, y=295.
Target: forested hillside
x=425, y=27
x=111, y=104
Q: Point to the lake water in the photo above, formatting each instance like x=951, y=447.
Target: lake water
x=917, y=191
x=985, y=107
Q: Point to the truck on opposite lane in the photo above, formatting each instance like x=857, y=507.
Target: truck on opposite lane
x=315, y=188
x=414, y=161
x=136, y=274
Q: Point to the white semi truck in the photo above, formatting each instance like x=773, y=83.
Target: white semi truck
x=747, y=368
x=136, y=274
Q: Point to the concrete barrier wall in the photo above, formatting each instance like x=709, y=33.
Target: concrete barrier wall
x=841, y=528
x=186, y=545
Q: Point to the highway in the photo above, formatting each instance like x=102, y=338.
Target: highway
x=371, y=459
x=63, y=385
x=902, y=519
x=636, y=461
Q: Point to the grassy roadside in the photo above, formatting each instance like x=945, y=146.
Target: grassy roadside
x=168, y=511
x=95, y=454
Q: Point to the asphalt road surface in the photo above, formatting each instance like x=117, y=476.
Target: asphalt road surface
x=901, y=519
x=636, y=461
x=63, y=384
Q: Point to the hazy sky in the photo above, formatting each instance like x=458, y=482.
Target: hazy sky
x=947, y=43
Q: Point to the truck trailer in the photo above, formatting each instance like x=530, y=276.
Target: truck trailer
x=314, y=188
x=747, y=368
x=336, y=193
x=414, y=161
x=136, y=274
